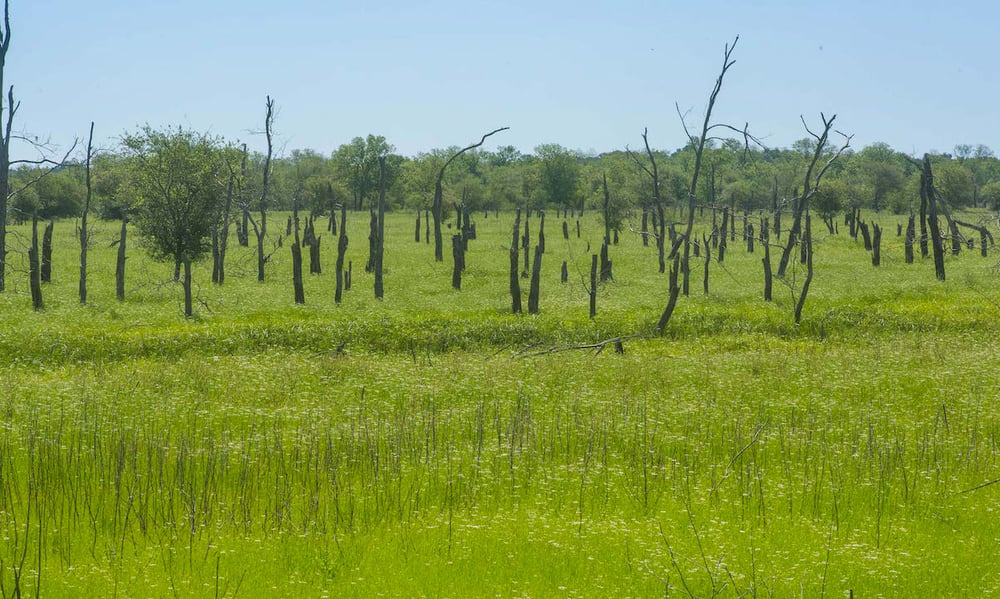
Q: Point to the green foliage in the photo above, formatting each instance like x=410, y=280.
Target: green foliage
x=175, y=175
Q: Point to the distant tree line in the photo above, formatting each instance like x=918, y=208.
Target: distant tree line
x=551, y=177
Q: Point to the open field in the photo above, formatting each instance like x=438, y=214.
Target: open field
x=238, y=453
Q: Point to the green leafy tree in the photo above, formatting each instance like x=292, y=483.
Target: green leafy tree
x=558, y=176
x=175, y=176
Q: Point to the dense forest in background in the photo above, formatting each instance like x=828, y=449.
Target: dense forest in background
x=876, y=177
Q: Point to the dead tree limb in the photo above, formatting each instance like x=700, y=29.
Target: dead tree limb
x=437, y=208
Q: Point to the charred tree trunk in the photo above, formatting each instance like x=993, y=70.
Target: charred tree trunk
x=674, y=291
x=341, y=252
x=807, y=242
x=372, y=236
x=515, y=279
x=908, y=241
x=34, y=274
x=866, y=235
x=564, y=272
x=644, y=231
x=458, y=254
x=188, y=310
x=541, y=231
x=593, y=285
x=708, y=261
x=536, y=275
x=722, y=242
x=120, y=262
x=380, y=230
x=261, y=229
x=565, y=230
x=46, y=269
x=876, y=244
x=84, y=230
x=416, y=230
x=299, y=290
x=927, y=191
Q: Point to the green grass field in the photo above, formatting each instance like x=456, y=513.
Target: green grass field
x=238, y=454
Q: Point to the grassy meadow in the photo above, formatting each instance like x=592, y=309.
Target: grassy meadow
x=448, y=450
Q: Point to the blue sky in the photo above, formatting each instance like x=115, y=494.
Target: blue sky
x=587, y=75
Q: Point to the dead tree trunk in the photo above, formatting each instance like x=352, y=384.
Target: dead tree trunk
x=699, y=144
x=536, y=276
x=188, y=309
x=541, y=231
x=515, y=279
x=458, y=254
x=564, y=272
x=438, y=207
x=908, y=241
x=866, y=235
x=416, y=230
x=725, y=230
x=341, y=252
x=985, y=237
x=708, y=260
x=565, y=230
x=261, y=229
x=34, y=274
x=606, y=274
x=927, y=190
x=46, y=269
x=299, y=290
x=380, y=230
x=220, y=235
x=120, y=262
x=876, y=244
x=84, y=231
x=807, y=242
x=810, y=185
x=593, y=285
x=673, y=292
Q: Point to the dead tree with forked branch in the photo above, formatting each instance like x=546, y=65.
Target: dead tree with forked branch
x=437, y=209
x=699, y=147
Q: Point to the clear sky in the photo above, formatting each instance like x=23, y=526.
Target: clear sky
x=587, y=75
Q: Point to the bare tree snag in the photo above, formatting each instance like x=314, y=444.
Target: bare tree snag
x=606, y=273
x=188, y=306
x=565, y=230
x=674, y=291
x=541, y=231
x=866, y=235
x=592, y=291
x=416, y=230
x=220, y=235
x=908, y=241
x=699, y=145
x=297, y=286
x=341, y=252
x=876, y=244
x=46, y=269
x=807, y=242
x=5, y=137
x=380, y=230
x=928, y=194
x=84, y=231
x=34, y=276
x=261, y=229
x=120, y=261
x=438, y=206
x=810, y=184
x=515, y=280
x=708, y=261
x=536, y=276
x=457, y=254
x=985, y=237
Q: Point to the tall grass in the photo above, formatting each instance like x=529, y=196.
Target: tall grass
x=241, y=454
